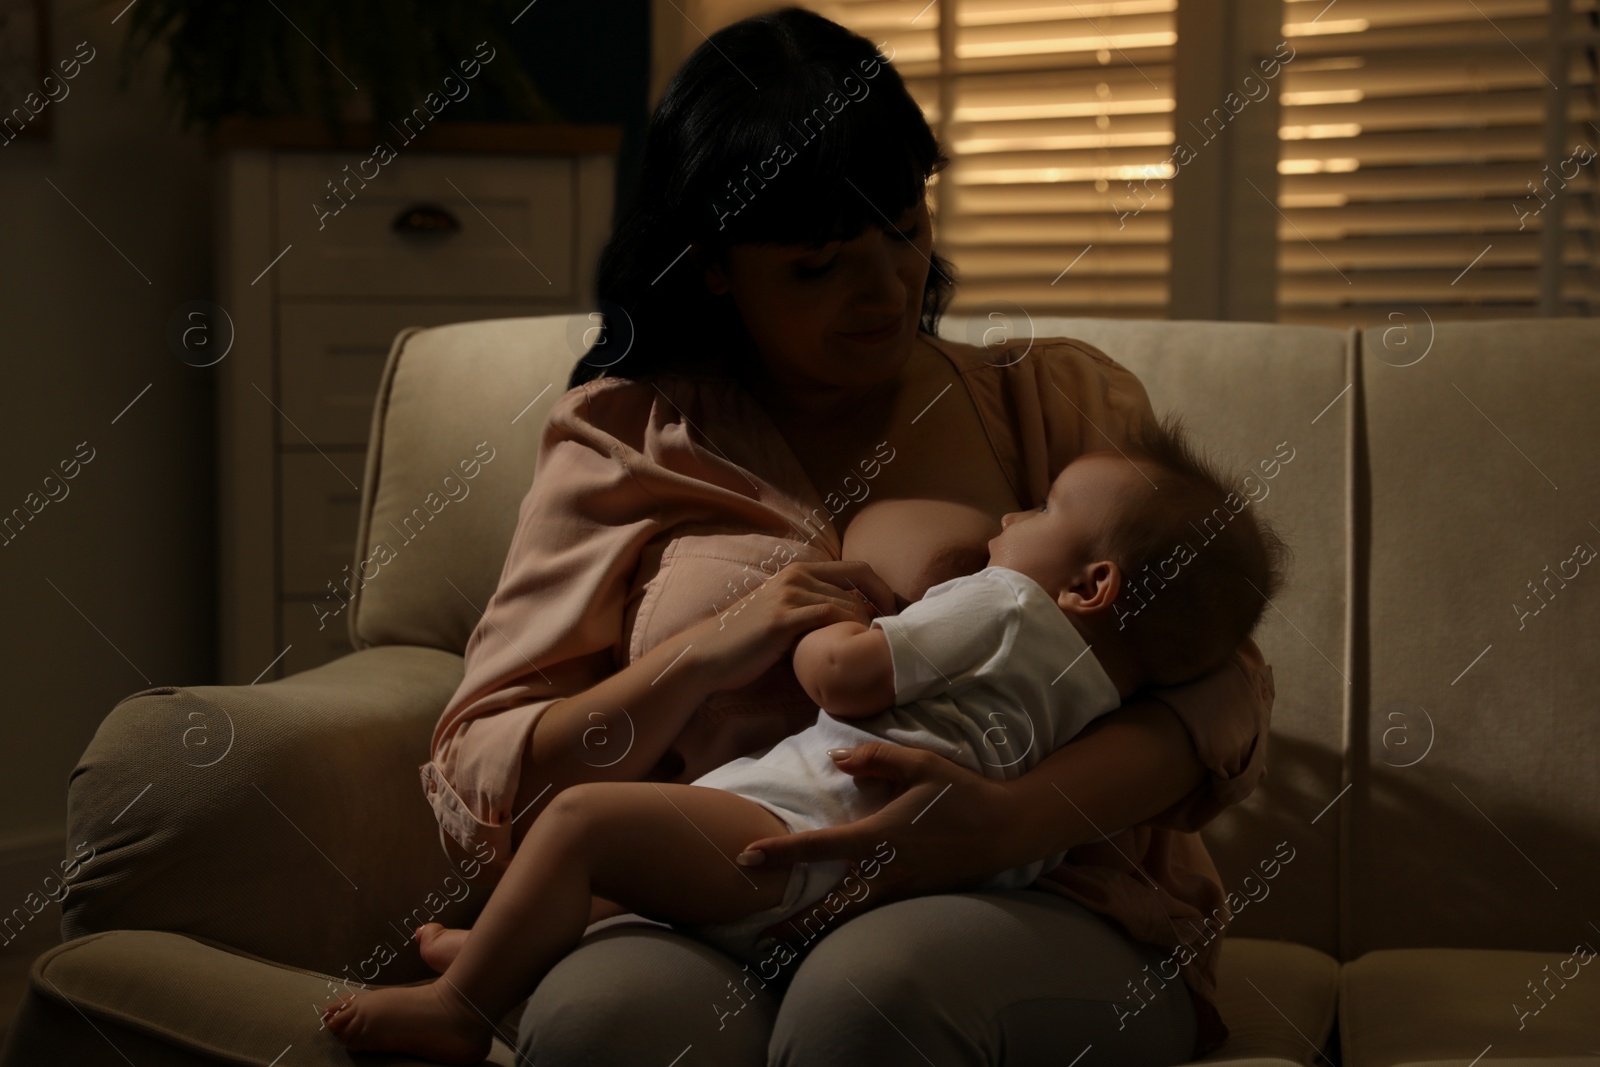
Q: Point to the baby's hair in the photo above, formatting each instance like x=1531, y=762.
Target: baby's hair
x=1196, y=572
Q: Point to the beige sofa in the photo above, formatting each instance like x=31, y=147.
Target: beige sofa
x=1433, y=759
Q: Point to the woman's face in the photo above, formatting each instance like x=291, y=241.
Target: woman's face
x=813, y=310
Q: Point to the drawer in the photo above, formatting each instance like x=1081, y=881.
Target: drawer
x=331, y=356
x=310, y=646
x=516, y=237
x=319, y=514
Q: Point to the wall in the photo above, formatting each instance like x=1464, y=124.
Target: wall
x=107, y=590
x=592, y=62
x=681, y=26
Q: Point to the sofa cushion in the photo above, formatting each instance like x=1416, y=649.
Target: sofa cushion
x=284, y=818
x=161, y=1000
x=1247, y=390
x=1452, y=1005
x=1515, y=1061
x=1278, y=999
x=455, y=435
x=1476, y=808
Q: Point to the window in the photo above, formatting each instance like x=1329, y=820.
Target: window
x=1058, y=111
x=1053, y=108
x=1413, y=160
x=1420, y=148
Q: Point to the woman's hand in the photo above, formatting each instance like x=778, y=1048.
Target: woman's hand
x=743, y=642
x=945, y=826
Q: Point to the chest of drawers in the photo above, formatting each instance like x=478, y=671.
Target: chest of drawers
x=324, y=252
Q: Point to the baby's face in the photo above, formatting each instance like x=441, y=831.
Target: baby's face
x=1052, y=542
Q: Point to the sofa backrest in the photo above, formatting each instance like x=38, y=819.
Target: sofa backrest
x=1432, y=759
x=1268, y=401
x=466, y=399
x=1477, y=798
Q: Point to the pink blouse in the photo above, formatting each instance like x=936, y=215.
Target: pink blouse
x=655, y=503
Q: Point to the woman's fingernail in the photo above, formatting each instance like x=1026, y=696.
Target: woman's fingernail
x=752, y=858
x=839, y=753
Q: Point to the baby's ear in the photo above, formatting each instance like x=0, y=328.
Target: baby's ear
x=1113, y=580
x=1093, y=589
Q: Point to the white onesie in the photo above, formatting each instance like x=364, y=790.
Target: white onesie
x=988, y=672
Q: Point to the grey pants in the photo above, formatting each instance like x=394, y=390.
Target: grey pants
x=1019, y=977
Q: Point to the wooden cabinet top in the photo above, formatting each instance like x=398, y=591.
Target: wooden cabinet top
x=519, y=138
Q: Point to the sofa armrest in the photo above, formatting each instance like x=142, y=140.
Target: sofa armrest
x=286, y=819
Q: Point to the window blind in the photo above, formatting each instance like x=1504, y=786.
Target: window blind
x=1412, y=160
x=1054, y=114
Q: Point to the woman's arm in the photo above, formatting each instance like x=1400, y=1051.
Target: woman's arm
x=547, y=698
x=1125, y=767
x=950, y=828
x=618, y=728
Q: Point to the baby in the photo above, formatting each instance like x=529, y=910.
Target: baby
x=1143, y=556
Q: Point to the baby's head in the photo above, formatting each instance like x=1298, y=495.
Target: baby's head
x=1152, y=554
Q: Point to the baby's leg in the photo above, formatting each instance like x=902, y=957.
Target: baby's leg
x=663, y=850
x=438, y=944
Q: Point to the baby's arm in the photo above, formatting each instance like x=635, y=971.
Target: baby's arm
x=846, y=669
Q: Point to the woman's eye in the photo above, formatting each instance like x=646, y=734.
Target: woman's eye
x=803, y=271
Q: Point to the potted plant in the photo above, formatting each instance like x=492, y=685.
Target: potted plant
x=345, y=60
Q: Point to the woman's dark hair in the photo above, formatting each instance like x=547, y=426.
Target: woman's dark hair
x=856, y=150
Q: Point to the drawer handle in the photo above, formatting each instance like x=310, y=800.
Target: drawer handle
x=425, y=218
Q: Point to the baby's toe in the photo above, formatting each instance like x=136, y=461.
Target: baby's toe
x=336, y=1017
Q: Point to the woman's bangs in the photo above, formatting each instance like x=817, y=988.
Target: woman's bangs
x=810, y=177
x=783, y=129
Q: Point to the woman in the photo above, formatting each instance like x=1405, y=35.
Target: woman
x=770, y=431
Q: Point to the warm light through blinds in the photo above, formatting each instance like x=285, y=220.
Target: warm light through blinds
x=1057, y=107
x=1412, y=154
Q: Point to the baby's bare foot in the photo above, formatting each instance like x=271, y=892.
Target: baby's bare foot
x=427, y=1021
x=439, y=944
